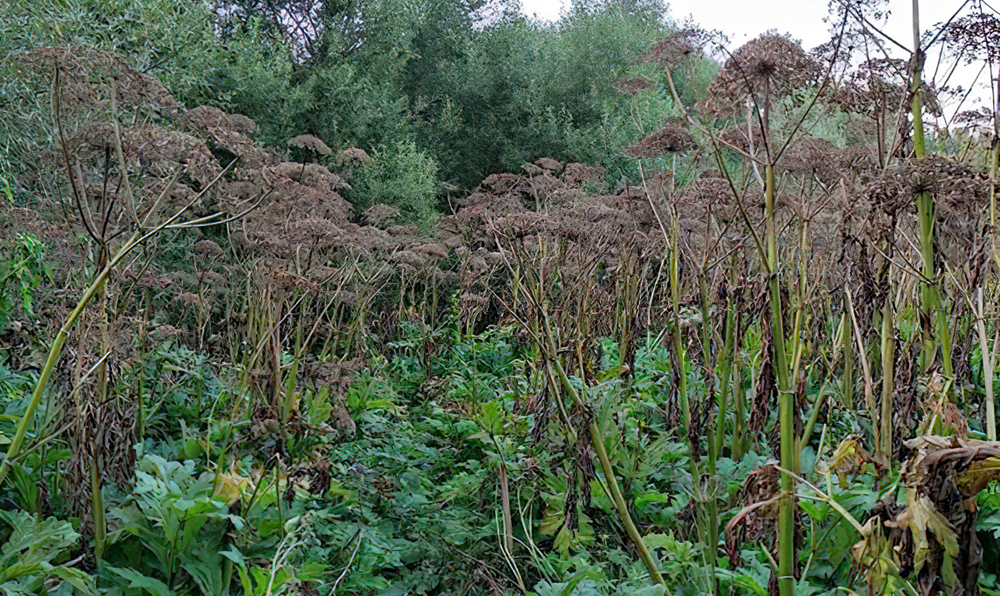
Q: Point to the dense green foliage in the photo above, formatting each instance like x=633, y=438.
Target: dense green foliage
x=400, y=176
x=478, y=89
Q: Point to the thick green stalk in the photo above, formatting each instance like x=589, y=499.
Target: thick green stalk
x=801, y=299
x=597, y=440
x=96, y=499
x=801, y=316
x=739, y=412
x=887, y=355
x=786, y=411
x=97, y=504
x=140, y=405
x=916, y=86
x=739, y=395
x=715, y=445
x=991, y=420
x=556, y=371
x=807, y=430
x=508, y=523
x=847, y=345
x=706, y=324
x=705, y=527
x=932, y=313
x=884, y=447
x=680, y=359
x=712, y=531
x=988, y=364
x=994, y=163
x=616, y=493
x=943, y=335
x=726, y=373
x=925, y=206
x=137, y=238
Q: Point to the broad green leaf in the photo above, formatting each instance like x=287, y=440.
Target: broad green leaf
x=142, y=582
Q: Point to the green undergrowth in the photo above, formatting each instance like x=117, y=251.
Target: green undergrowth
x=410, y=502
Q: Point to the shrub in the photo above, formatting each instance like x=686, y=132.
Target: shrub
x=401, y=176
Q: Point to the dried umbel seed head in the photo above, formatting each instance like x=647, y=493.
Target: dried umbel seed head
x=578, y=174
x=958, y=191
x=353, y=157
x=309, y=143
x=811, y=156
x=677, y=46
x=775, y=62
x=859, y=161
x=672, y=138
x=975, y=36
x=881, y=83
x=976, y=120
x=874, y=83
x=242, y=124
x=381, y=215
x=708, y=191
x=207, y=250
x=85, y=73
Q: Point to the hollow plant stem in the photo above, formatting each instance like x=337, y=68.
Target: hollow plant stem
x=726, y=364
x=680, y=358
x=597, y=440
x=847, y=347
x=786, y=411
x=888, y=373
x=711, y=504
x=988, y=364
x=931, y=312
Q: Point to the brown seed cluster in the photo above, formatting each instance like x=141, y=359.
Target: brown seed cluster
x=671, y=138
x=677, y=47
x=769, y=66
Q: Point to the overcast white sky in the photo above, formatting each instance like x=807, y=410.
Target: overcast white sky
x=743, y=20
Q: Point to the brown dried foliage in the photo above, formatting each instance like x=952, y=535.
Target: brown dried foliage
x=671, y=138
x=933, y=535
x=677, y=46
x=86, y=74
x=771, y=63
